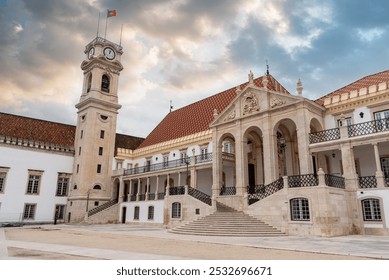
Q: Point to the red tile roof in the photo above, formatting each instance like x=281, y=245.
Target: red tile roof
x=365, y=82
x=197, y=116
x=51, y=132
x=37, y=130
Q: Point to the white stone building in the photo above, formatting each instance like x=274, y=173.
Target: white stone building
x=300, y=166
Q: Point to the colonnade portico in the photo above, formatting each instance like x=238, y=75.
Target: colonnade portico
x=261, y=147
x=154, y=185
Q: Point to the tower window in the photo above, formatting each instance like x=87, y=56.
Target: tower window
x=105, y=83
x=102, y=133
x=99, y=168
x=100, y=151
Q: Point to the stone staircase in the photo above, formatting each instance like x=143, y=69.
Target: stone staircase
x=227, y=221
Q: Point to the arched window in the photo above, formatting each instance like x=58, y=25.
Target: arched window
x=150, y=215
x=105, y=83
x=299, y=209
x=89, y=82
x=176, y=210
x=371, y=209
x=97, y=187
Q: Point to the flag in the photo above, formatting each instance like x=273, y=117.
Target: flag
x=111, y=13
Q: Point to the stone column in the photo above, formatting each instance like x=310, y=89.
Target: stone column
x=270, y=156
x=241, y=164
x=179, y=179
x=167, y=185
x=121, y=190
x=138, y=193
x=379, y=174
x=305, y=161
x=147, y=188
x=130, y=191
x=351, y=182
x=216, y=166
x=157, y=188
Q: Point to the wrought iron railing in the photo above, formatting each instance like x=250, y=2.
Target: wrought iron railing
x=368, y=127
x=161, y=196
x=324, y=135
x=264, y=191
x=255, y=189
x=151, y=196
x=200, y=195
x=203, y=158
x=168, y=164
x=133, y=198
x=102, y=207
x=157, y=166
x=228, y=191
x=334, y=181
x=367, y=182
x=306, y=180
x=180, y=190
x=142, y=197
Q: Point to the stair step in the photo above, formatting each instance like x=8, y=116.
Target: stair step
x=227, y=221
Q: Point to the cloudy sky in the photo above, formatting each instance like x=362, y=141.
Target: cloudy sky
x=184, y=50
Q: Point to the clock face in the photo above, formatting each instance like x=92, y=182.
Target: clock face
x=91, y=52
x=109, y=53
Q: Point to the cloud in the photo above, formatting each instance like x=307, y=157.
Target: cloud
x=184, y=50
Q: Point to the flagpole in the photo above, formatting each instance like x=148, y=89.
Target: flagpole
x=106, y=23
x=121, y=33
x=98, y=26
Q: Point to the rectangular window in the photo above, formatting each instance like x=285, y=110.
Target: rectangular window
x=382, y=120
x=299, y=209
x=348, y=122
x=78, y=168
x=136, y=213
x=204, y=154
x=150, y=215
x=2, y=181
x=29, y=211
x=176, y=210
x=100, y=151
x=79, y=151
x=102, y=134
x=385, y=166
x=82, y=134
x=371, y=210
x=99, y=168
x=183, y=157
x=59, y=212
x=33, y=184
x=165, y=161
x=62, y=186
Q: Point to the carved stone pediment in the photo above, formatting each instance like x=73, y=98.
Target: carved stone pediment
x=230, y=115
x=250, y=103
x=276, y=101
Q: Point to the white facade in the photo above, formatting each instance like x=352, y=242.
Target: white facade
x=19, y=163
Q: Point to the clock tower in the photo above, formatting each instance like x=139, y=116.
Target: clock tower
x=96, y=129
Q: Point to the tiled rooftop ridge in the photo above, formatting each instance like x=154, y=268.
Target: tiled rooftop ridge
x=197, y=117
x=368, y=84
x=42, y=134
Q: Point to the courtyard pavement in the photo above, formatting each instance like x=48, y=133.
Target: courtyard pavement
x=354, y=245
